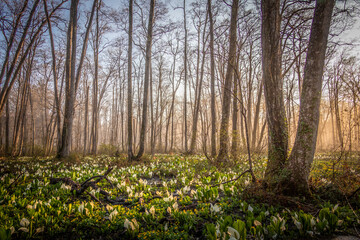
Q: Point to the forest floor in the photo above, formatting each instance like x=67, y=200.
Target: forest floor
x=172, y=197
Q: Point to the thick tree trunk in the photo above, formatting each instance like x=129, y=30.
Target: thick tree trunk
x=64, y=149
x=146, y=80
x=212, y=82
x=273, y=88
x=72, y=81
x=231, y=65
x=95, y=108
x=302, y=155
x=129, y=84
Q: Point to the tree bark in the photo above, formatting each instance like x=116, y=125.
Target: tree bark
x=198, y=94
x=185, y=80
x=231, y=65
x=7, y=128
x=302, y=155
x=129, y=83
x=86, y=119
x=146, y=80
x=235, y=130
x=64, y=149
x=273, y=88
x=95, y=108
x=72, y=81
x=57, y=102
x=212, y=81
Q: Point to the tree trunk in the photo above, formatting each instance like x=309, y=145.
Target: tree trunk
x=72, y=81
x=9, y=79
x=256, y=117
x=231, y=65
x=273, y=88
x=55, y=75
x=64, y=149
x=129, y=83
x=95, y=108
x=198, y=94
x=302, y=155
x=146, y=80
x=7, y=128
x=212, y=82
x=86, y=119
x=235, y=130
x=185, y=81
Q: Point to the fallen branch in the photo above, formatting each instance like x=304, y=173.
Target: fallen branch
x=94, y=198
x=81, y=188
x=232, y=180
x=67, y=181
x=354, y=193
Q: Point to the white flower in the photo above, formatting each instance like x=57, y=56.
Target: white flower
x=113, y=215
x=109, y=208
x=193, y=192
x=175, y=206
x=24, y=222
x=81, y=208
x=152, y=211
x=24, y=229
x=127, y=224
x=234, y=234
x=40, y=229
x=298, y=224
x=257, y=223
x=132, y=225
x=186, y=189
x=215, y=208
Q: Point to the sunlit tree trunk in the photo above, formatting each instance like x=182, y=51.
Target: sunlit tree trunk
x=273, y=88
x=86, y=114
x=70, y=62
x=146, y=80
x=185, y=79
x=198, y=93
x=129, y=84
x=235, y=130
x=231, y=65
x=212, y=82
x=55, y=75
x=95, y=109
x=302, y=154
x=72, y=80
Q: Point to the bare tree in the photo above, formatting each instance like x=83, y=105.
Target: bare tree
x=231, y=65
x=302, y=154
x=146, y=80
x=72, y=80
x=129, y=83
x=212, y=69
x=273, y=88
